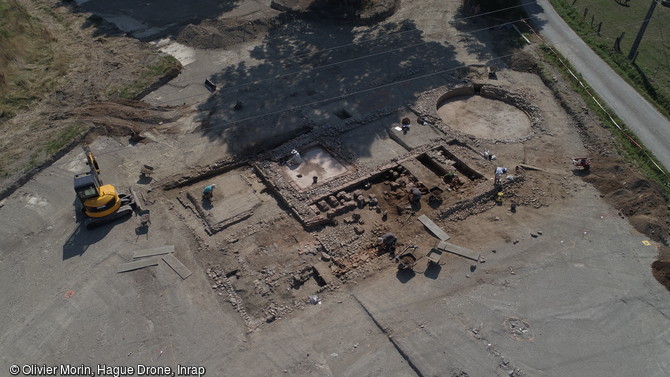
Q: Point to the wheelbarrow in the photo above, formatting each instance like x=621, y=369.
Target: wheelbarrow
x=406, y=260
x=583, y=162
x=434, y=256
x=146, y=171
x=144, y=217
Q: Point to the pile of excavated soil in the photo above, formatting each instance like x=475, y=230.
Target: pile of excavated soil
x=126, y=117
x=635, y=197
x=522, y=62
x=661, y=269
x=356, y=11
x=214, y=34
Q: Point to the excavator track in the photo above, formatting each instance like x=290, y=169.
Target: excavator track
x=126, y=210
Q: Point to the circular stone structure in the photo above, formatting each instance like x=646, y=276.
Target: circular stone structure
x=485, y=117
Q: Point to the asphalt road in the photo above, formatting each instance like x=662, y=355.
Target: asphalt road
x=650, y=126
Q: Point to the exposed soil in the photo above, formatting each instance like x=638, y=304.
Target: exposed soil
x=621, y=185
x=101, y=61
x=269, y=268
x=215, y=34
x=127, y=117
x=501, y=122
x=268, y=265
x=661, y=269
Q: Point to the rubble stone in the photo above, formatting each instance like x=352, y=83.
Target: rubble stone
x=332, y=201
x=322, y=205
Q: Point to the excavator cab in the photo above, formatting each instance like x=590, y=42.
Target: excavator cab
x=87, y=186
x=98, y=200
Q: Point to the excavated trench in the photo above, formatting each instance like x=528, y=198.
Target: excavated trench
x=484, y=117
x=489, y=112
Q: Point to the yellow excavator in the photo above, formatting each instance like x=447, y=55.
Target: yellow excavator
x=101, y=203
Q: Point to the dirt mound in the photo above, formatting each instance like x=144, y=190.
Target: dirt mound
x=522, y=62
x=360, y=12
x=661, y=271
x=620, y=184
x=635, y=197
x=127, y=117
x=214, y=34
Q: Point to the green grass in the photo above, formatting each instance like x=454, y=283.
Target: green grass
x=63, y=138
x=29, y=66
x=32, y=65
x=55, y=143
x=640, y=157
x=651, y=72
x=55, y=15
x=149, y=76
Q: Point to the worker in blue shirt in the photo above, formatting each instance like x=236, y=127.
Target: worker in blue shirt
x=207, y=192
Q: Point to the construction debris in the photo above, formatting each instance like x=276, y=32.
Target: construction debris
x=458, y=250
x=530, y=167
x=434, y=228
x=136, y=265
x=155, y=251
x=177, y=266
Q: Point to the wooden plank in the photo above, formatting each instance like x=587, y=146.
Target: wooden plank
x=130, y=266
x=530, y=167
x=155, y=251
x=455, y=249
x=434, y=228
x=138, y=201
x=177, y=266
x=422, y=173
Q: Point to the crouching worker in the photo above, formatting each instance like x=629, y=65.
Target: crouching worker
x=414, y=195
x=387, y=241
x=208, y=192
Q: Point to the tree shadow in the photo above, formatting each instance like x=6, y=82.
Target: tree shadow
x=490, y=30
x=149, y=20
x=531, y=11
x=311, y=72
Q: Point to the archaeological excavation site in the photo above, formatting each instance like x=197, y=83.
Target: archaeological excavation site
x=319, y=188
x=305, y=218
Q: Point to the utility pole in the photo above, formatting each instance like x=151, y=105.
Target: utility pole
x=633, y=50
